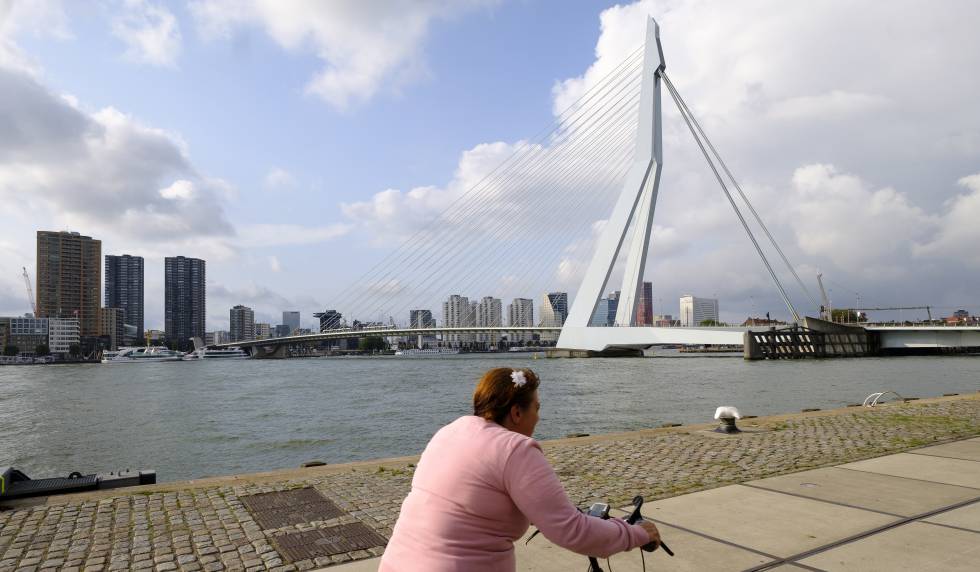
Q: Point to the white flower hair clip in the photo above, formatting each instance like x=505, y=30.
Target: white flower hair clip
x=518, y=377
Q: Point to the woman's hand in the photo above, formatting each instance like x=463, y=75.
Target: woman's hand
x=651, y=530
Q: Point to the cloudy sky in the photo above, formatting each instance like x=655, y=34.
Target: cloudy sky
x=293, y=144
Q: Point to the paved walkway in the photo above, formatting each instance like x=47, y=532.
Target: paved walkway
x=911, y=511
x=213, y=524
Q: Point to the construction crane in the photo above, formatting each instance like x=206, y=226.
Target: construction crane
x=30, y=291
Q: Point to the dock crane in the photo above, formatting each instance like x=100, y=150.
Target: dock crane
x=30, y=291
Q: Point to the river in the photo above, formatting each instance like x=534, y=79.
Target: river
x=207, y=418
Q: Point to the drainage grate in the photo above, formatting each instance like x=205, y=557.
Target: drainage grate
x=285, y=508
x=296, y=546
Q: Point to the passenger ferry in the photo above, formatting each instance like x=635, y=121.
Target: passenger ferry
x=427, y=352
x=217, y=353
x=145, y=354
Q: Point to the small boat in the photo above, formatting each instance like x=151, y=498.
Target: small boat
x=146, y=354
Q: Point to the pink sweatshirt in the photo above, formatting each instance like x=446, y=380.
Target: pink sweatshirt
x=476, y=487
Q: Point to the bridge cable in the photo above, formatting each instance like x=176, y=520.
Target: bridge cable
x=462, y=212
x=731, y=200
x=552, y=152
x=741, y=193
x=561, y=175
x=520, y=153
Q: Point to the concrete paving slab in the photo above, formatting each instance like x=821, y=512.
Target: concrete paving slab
x=367, y=565
x=766, y=521
x=693, y=553
x=965, y=517
x=914, y=547
x=968, y=450
x=923, y=467
x=873, y=491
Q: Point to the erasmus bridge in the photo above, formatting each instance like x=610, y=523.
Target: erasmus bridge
x=542, y=218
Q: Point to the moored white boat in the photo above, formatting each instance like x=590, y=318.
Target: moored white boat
x=426, y=352
x=142, y=355
x=217, y=353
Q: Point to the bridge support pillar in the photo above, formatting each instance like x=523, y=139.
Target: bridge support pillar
x=279, y=351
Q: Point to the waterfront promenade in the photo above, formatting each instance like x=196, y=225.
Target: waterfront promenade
x=218, y=524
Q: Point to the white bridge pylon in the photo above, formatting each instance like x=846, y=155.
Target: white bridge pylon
x=636, y=203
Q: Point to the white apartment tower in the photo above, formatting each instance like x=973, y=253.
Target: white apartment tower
x=489, y=313
x=520, y=313
x=459, y=312
x=695, y=310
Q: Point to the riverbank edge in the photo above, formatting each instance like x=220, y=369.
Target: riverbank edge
x=761, y=423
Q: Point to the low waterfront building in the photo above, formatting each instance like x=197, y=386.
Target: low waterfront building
x=262, y=331
x=154, y=337
x=281, y=331
x=4, y=333
x=63, y=333
x=27, y=333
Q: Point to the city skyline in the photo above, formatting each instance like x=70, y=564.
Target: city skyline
x=827, y=146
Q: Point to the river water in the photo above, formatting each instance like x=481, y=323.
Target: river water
x=207, y=418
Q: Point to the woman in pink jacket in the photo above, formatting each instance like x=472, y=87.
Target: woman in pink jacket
x=482, y=480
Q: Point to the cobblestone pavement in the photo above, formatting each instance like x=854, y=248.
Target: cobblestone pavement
x=205, y=525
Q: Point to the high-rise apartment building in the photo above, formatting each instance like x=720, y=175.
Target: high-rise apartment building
x=421, y=319
x=520, y=312
x=459, y=312
x=612, y=305
x=489, y=313
x=696, y=310
x=184, y=292
x=124, y=289
x=69, y=278
x=242, y=327
x=291, y=319
x=644, y=306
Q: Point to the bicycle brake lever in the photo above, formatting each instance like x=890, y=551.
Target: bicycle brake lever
x=636, y=517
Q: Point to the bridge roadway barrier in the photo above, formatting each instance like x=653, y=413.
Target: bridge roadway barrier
x=820, y=338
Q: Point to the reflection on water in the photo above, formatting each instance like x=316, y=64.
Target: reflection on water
x=192, y=419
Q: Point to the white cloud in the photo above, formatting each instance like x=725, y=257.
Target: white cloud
x=959, y=228
x=279, y=179
x=150, y=31
x=365, y=45
x=836, y=104
x=274, y=264
x=180, y=190
x=35, y=17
